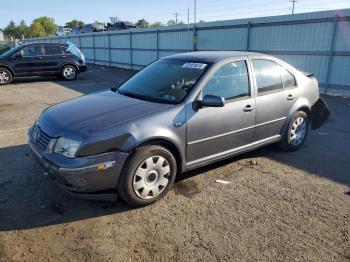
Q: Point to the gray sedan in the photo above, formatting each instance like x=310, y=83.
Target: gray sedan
x=179, y=113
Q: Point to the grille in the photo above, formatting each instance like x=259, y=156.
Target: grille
x=40, y=138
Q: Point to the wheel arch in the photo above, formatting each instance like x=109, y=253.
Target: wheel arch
x=9, y=69
x=171, y=146
x=302, y=106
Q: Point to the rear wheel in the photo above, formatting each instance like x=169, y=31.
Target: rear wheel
x=5, y=76
x=296, y=133
x=69, y=73
x=147, y=176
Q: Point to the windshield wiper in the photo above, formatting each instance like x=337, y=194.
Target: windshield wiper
x=144, y=98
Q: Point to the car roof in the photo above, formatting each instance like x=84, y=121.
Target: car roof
x=211, y=56
x=41, y=43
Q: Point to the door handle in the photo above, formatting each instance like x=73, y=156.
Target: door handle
x=248, y=108
x=290, y=97
x=39, y=58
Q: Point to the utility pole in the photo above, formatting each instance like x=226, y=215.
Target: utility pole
x=188, y=17
x=176, y=15
x=293, y=1
x=195, y=12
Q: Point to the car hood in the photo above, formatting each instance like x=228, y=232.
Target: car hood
x=94, y=113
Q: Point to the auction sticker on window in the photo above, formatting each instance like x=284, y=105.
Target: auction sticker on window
x=194, y=65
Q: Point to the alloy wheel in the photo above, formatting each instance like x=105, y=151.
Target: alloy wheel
x=4, y=77
x=69, y=73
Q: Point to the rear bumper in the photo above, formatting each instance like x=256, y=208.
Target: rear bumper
x=93, y=177
x=319, y=113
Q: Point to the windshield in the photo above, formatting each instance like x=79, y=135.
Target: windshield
x=11, y=51
x=165, y=81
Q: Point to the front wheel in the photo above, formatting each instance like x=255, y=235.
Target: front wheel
x=5, y=76
x=147, y=176
x=296, y=133
x=69, y=73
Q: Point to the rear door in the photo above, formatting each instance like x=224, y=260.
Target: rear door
x=276, y=93
x=32, y=60
x=54, y=56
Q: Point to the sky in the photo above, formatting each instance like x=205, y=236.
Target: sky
x=155, y=10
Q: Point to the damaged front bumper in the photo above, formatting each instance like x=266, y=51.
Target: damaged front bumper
x=93, y=177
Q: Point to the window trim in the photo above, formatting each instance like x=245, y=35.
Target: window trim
x=42, y=47
x=59, y=46
x=256, y=82
x=272, y=91
x=295, y=79
x=227, y=101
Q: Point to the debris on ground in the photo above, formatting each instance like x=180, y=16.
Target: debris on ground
x=253, y=162
x=222, y=182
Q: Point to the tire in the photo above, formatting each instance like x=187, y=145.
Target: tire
x=147, y=176
x=5, y=76
x=295, y=135
x=69, y=73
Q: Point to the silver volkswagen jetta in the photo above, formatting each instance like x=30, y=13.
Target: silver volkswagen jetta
x=179, y=113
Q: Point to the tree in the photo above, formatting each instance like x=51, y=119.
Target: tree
x=142, y=23
x=37, y=29
x=181, y=22
x=156, y=24
x=23, y=30
x=10, y=30
x=201, y=21
x=47, y=26
x=75, y=23
x=171, y=22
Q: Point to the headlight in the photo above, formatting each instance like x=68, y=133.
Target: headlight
x=66, y=147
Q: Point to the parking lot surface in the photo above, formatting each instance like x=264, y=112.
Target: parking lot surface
x=278, y=207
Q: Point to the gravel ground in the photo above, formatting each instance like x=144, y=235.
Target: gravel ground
x=278, y=206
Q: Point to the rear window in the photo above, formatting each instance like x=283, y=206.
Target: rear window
x=268, y=76
x=287, y=78
x=53, y=50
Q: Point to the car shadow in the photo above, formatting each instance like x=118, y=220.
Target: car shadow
x=29, y=199
x=97, y=78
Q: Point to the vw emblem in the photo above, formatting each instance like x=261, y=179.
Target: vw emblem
x=36, y=133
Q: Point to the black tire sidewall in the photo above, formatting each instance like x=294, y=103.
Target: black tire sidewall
x=125, y=185
x=69, y=66
x=286, y=139
x=9, y=74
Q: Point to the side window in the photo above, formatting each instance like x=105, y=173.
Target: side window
x=268, y=77
x=32, y=50
x=230, y=81
x=287, y=78
x=53, y=50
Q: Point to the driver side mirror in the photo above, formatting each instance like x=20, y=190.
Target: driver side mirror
x=19, y=54
x=209, y=101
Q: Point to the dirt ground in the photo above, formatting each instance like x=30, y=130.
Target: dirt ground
x=278, y=207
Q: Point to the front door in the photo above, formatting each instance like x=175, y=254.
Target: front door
x=214, y=132
x=32, y=60
x=54, y=57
